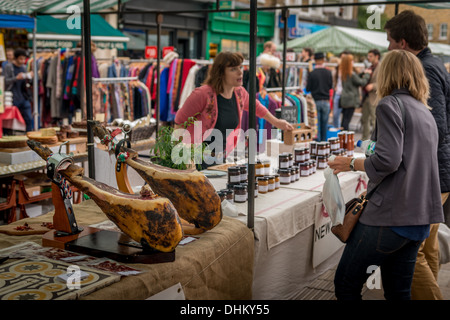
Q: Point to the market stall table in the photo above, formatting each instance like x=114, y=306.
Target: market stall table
x=218, y=265
x=288, y=251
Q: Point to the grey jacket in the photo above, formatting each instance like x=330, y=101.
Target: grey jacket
x=404, y=166
x=350, y=96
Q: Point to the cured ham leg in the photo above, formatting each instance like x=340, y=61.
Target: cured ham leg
x=147, y=218
x=190, y=191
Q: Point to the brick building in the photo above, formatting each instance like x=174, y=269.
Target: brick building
x=437, y=21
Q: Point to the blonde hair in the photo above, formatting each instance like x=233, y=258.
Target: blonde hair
x=402, y=69
x=346, y=66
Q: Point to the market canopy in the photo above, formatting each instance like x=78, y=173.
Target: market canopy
x=16, y=21
x=357, y=41
x=55, y=33
x=27, y=7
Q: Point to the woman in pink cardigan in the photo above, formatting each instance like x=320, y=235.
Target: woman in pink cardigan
x=219, y=103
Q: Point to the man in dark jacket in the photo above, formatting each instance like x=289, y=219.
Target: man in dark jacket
x=320, y=82
x=408, y=31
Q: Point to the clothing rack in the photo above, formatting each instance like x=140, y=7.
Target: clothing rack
x=280, y=89
x=114, y=80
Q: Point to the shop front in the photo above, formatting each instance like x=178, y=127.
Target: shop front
x=229, y=31
x=185, y=32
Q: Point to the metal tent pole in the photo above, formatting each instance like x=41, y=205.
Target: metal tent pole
x=159, y=20
x=35, y=79
x=252, y=115
x=285, y=15
x=88, y=87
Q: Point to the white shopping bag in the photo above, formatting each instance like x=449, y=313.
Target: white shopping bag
x=333, y=199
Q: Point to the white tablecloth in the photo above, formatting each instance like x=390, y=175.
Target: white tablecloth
x=284, y=233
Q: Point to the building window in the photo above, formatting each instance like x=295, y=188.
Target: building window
x=443, y=31
x=430, y=31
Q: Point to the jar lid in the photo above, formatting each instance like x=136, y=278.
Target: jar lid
x=284, y=170
x=263, y=178
x=284, y=155
x=234, y=169
x=271, y=177
x=240, y=186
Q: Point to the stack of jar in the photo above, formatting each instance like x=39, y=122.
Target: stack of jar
x=305, y=159
x=347, y=142
x=237, y=186
x=288, y=169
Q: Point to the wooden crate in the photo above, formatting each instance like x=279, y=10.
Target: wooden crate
x=301, y=133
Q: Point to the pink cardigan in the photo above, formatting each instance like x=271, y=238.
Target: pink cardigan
x=202, y=103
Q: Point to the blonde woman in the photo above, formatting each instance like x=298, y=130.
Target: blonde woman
x=404, y=171
x=350, y=93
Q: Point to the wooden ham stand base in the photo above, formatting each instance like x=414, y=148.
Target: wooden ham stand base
x=97, y=242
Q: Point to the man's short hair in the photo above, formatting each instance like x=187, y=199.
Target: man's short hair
x=375, y=52
x=20, y=52
x=408, y=26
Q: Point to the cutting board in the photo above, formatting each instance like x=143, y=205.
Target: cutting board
x=36, y=228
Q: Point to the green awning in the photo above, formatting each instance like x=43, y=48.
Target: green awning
x=51, y=6
x=338, y=39
x=358, y=41
x=56, y=33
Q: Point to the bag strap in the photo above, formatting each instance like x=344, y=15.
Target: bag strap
x=402, y=110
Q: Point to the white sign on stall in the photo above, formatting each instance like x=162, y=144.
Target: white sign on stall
x=325, y=243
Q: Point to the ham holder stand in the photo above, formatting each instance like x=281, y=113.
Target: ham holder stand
x=96, y=242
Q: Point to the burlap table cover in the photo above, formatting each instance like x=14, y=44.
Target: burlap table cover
x=219, y=265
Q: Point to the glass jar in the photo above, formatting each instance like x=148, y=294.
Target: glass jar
x=222, y=195
x=304, y=169
x=240, y=193
x=277, y=181
x=313, y=148
x=244, y=173
x=229, y=194
x=321, y=162
x=234, y=175
x=321, y=149
x=342, y=139
x=285, y=176
x=266, y=164
x=271, y=183
x=259, y=169
x=283, y=161
x=291, y=159
x=314, y=166
x=299, y=155
x=297, y=172
x=307, y=154
x=292, y=174
x=263, y=184
x=350, y=143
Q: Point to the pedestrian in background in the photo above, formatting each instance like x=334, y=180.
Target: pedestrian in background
x=18, y=81
x=404, y=170
x=337, y=90
x=320, y=82
x=369, y=102
x=408, y=31
x=351, y=83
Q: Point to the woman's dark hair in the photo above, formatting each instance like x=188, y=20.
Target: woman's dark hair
x=20, y=52
x=408, y=26
x=216, y=73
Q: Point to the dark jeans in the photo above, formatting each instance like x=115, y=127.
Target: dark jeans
x=347, y=114
x=370, y=246
x=323, y=111
x=24, y=107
